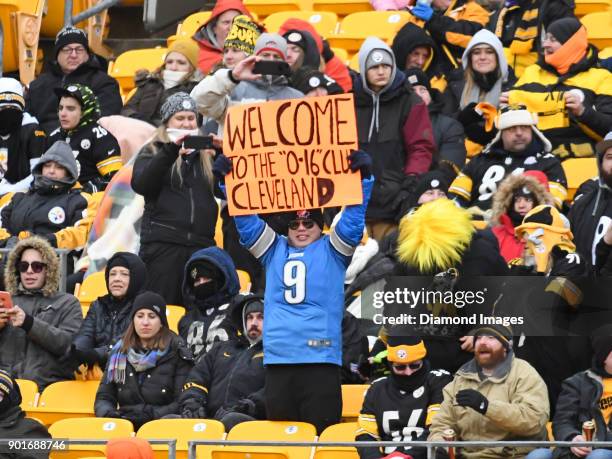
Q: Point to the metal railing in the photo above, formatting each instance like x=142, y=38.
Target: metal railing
x=26, y=444
x=430, y=445
x=63, y=256
x=97, y=8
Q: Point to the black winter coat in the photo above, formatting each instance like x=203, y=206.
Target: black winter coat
x=579, y=402
x=150, y=96
x=448, y=134
x=42, y=103
x=104, y=325
x=178, y=213
x=158, y=391
x=14, y=424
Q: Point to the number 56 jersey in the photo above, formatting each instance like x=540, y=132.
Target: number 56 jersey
x=392, y=414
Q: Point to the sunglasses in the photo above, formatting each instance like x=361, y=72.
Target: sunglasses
x=305, y=222
x=37, y=266
x=402, y=366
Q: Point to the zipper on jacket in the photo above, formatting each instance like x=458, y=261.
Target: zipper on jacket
x=192, y=213
x=164, y=225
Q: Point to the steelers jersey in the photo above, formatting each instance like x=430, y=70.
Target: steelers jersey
x=479, y=179
x=391, y=414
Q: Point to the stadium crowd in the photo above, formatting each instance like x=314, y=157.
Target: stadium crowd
x=463, y=123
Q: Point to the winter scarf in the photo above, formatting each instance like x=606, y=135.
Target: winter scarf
x=141, y=360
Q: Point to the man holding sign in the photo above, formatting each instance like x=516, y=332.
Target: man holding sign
x=304, y=302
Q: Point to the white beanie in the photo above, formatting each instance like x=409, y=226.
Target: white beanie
x=11, y=93
x=509, y=117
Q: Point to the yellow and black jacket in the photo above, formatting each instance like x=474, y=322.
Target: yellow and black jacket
x=542, y=89
x=519, y=25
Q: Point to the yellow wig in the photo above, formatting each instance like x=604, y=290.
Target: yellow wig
x=435, y=236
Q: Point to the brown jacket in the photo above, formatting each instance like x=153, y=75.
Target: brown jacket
x=518, y=409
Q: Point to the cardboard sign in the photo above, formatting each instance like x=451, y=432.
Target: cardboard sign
x=291, y=155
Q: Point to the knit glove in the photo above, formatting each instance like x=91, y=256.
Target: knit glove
x=422, y=11
x=193, y=409
x=245, y=406
x=566, y=264
x=137, y=414
x=473, y=399
x=221, y=167
x=360, y=160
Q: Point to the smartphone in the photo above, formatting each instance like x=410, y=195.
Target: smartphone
x=271, y=68
x=6, y=301
x=196, y=142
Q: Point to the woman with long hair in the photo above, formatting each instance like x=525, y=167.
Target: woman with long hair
x=180, y=209
x=178, y=73
x=147, y=367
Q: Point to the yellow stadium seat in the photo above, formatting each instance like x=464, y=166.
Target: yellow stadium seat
x=66, y=399
x=189, y=26
x=53, y=20
x=90, y=429
x=29, y=393
x=599, y=28
x=268, y=431
x=605, y=53
x=21, y=20
x=342, y=7
x=126, y=65
x=245, y=281
x=92, y=287
x=263, y=8
x=174, y=314
x=590, y=6
x=338, y=433
x=352, y=399
x=325, y=22
x=183, y=430
x=577, y=171
x=341, y=54
x=355, y=27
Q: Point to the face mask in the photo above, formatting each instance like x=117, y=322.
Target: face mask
x=203, y=291
x=175, y=134
x=10, y=120
x=172, y=78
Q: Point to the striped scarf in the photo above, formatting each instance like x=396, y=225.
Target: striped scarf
x=141, y=360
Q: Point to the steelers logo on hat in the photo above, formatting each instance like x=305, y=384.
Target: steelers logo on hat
x=72, y=88
x=377, y=56
x=401, y=354
x=194, y=273
x=435, y=183
x=187, y=105
x=57, y=215
x=314, y=82
x=294, y=37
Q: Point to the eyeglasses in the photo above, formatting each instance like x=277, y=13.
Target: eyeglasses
x=305, y=222
x=402, y=366
x=68, y=50
x=37, y=266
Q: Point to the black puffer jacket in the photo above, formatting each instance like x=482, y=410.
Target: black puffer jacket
x=14, y=424
x=178, y=213
x=230, y=371
x=108, y=317
x=150, y=96
x=448, y=134
x=156, y=391
x=41, y=103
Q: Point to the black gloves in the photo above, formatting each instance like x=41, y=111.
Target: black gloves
x=193, y=409
x=473, y=399
x=244, y=406
x=360, y=160
x=88, y=356
x=137, y=414
x=327, y=52
x=221, y=167
x=566, y=264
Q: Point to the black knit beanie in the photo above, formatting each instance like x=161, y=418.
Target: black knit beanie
x=153, y=302
x=563, y=29
x=70, y=35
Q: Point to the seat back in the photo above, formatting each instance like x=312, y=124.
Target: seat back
x=324, y=22
x=356, y=27
x=174, y=314
x=245, y=281
x=183, y=430
x=577, y=171
x=352, y=399
x=268, y=431
x=53, y=21
x=342, y=7
x=29, y=393
x=125, y=66
x=263, y=8
x=66, y=399
x=599, y=28
x=91, y=429
x=584, y=7
x=92, y=287
x=338, y=432
x=189, y=26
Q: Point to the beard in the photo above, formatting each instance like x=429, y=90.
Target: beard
x=606, y=177
x=490, y=360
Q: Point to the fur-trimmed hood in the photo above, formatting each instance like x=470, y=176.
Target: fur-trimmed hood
x=502, y=199
x=11, y=274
